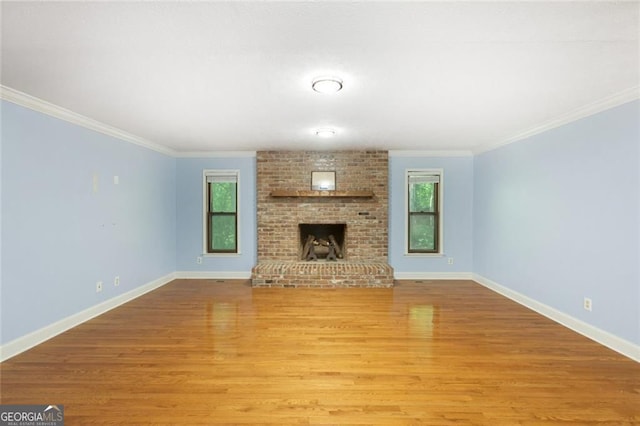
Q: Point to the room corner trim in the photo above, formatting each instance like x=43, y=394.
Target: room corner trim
x=36, y=104
x=617, y=99
x=609, y=340
x=24, y=343
x=215, y=154
x=433, y=275
x=430, y=154
x=212, y=275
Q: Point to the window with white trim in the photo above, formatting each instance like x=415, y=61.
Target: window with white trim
x=221, y=211
x=423, y=206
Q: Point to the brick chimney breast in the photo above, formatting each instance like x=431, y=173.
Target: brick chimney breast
x=365, y=213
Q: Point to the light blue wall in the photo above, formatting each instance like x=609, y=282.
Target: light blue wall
x=457, y=214
x=1, y=214
x=190, y=215
x=556, y=218
x=59, y=237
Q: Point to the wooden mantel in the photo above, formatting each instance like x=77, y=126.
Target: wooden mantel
x=319, y=194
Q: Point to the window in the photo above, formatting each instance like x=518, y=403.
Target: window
x=221, y=212
x=424, y=224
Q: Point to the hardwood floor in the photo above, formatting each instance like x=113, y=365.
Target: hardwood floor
x=432, y=353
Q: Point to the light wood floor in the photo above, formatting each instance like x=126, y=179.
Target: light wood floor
x=432, y=353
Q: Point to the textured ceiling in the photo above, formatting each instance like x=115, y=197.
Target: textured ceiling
x=206, y=76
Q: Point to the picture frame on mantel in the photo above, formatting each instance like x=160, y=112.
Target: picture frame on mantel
x=323, y=181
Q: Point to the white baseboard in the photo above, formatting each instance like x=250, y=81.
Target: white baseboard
x=21, y=344
x=609, y=340
x=433, y=275
x=212, y=275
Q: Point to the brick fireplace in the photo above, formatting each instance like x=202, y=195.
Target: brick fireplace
x=357, y=211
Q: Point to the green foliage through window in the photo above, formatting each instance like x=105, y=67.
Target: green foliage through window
x=222, y=216
x=424, y=214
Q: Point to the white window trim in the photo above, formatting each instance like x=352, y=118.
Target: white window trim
x=439, y=172
x=205, y=207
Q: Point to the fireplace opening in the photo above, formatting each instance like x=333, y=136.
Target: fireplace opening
x=322, y=241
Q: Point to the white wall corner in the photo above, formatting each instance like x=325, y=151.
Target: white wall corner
x=432, y=275
x=430, y=154
x=215, y=154
x=21, y=344
x=609, y=340
x=213, y=275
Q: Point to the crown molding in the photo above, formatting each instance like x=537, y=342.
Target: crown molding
x=622, y=97
x=419, y=153
x=44, y=107
x=214, y=154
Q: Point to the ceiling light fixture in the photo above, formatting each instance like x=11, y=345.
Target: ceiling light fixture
x=325, y=133
x=327, y=84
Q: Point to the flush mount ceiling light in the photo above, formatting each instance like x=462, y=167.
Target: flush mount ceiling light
x=327, y=84
x=325, y=133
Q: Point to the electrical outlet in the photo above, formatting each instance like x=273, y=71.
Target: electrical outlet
x=199, y=260
x=450, y=261
x=116, y=281
x=98, y=286
x=587, y=304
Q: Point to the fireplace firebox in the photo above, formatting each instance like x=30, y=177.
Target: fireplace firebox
x=322, y=241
